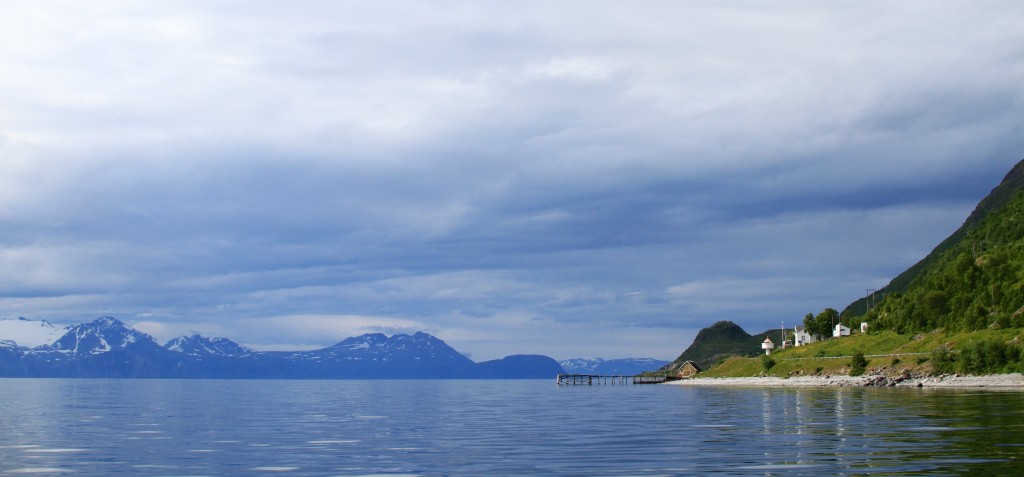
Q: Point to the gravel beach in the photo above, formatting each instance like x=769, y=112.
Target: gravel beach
x=1008, y=381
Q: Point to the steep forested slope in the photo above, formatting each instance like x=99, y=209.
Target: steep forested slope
x=1002, y=195
x=976, y=282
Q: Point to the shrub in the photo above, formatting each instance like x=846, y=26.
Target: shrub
x=987, y=356
x=942, y=360
x=895, y=361
x=767, y=362
x=858, y=364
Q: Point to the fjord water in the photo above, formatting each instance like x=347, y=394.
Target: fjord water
x=213, y=427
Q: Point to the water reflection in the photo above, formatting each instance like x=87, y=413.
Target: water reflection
x=99, y=427
x=883, y=431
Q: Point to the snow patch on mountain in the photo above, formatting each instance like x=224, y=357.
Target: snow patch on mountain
x=29, y=333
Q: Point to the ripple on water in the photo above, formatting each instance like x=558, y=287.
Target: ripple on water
x=39, y=470
x=387, y=475
x=44, y=450
x=779, y=466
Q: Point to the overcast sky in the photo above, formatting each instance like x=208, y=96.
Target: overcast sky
x=574, y=179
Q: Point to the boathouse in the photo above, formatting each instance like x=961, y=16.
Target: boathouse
x=689, y=369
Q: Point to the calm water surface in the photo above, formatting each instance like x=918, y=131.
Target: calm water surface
x=210, y=427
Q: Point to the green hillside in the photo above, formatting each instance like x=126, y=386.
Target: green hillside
x=717, y=342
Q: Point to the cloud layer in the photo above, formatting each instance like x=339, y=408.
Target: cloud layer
x=571, y=179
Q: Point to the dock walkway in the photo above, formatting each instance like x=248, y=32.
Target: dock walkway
x=592, y=379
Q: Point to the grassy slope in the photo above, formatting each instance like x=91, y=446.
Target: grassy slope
x=832, y=356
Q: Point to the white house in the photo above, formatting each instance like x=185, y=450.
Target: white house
x=840, y=331
x=802, y=337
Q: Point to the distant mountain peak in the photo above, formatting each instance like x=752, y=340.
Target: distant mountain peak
x=418, y=346
x=101, y=335
x=198, y=345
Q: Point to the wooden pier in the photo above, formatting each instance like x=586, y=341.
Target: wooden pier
x=592, y=379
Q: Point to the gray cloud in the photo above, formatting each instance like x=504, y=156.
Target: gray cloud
x=504, y=176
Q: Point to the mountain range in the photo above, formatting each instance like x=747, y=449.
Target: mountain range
x=108, y=348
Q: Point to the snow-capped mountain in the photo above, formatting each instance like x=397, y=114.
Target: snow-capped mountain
x=419, y=346
x=198, y=345
x=99, y=336
x=29, y=333
x=376, y=355
x=624, y=367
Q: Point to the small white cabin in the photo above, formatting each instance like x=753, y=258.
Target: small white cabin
x=840, y=331
x=801, y=337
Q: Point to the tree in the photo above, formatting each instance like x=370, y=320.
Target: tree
x=821, y=325
x=827, y=319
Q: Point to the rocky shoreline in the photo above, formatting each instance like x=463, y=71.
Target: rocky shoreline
x=1001, y=381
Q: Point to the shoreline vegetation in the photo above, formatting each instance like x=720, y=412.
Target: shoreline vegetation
x=1012, y=381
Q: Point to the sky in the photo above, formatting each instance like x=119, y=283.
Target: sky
x=572, y=178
